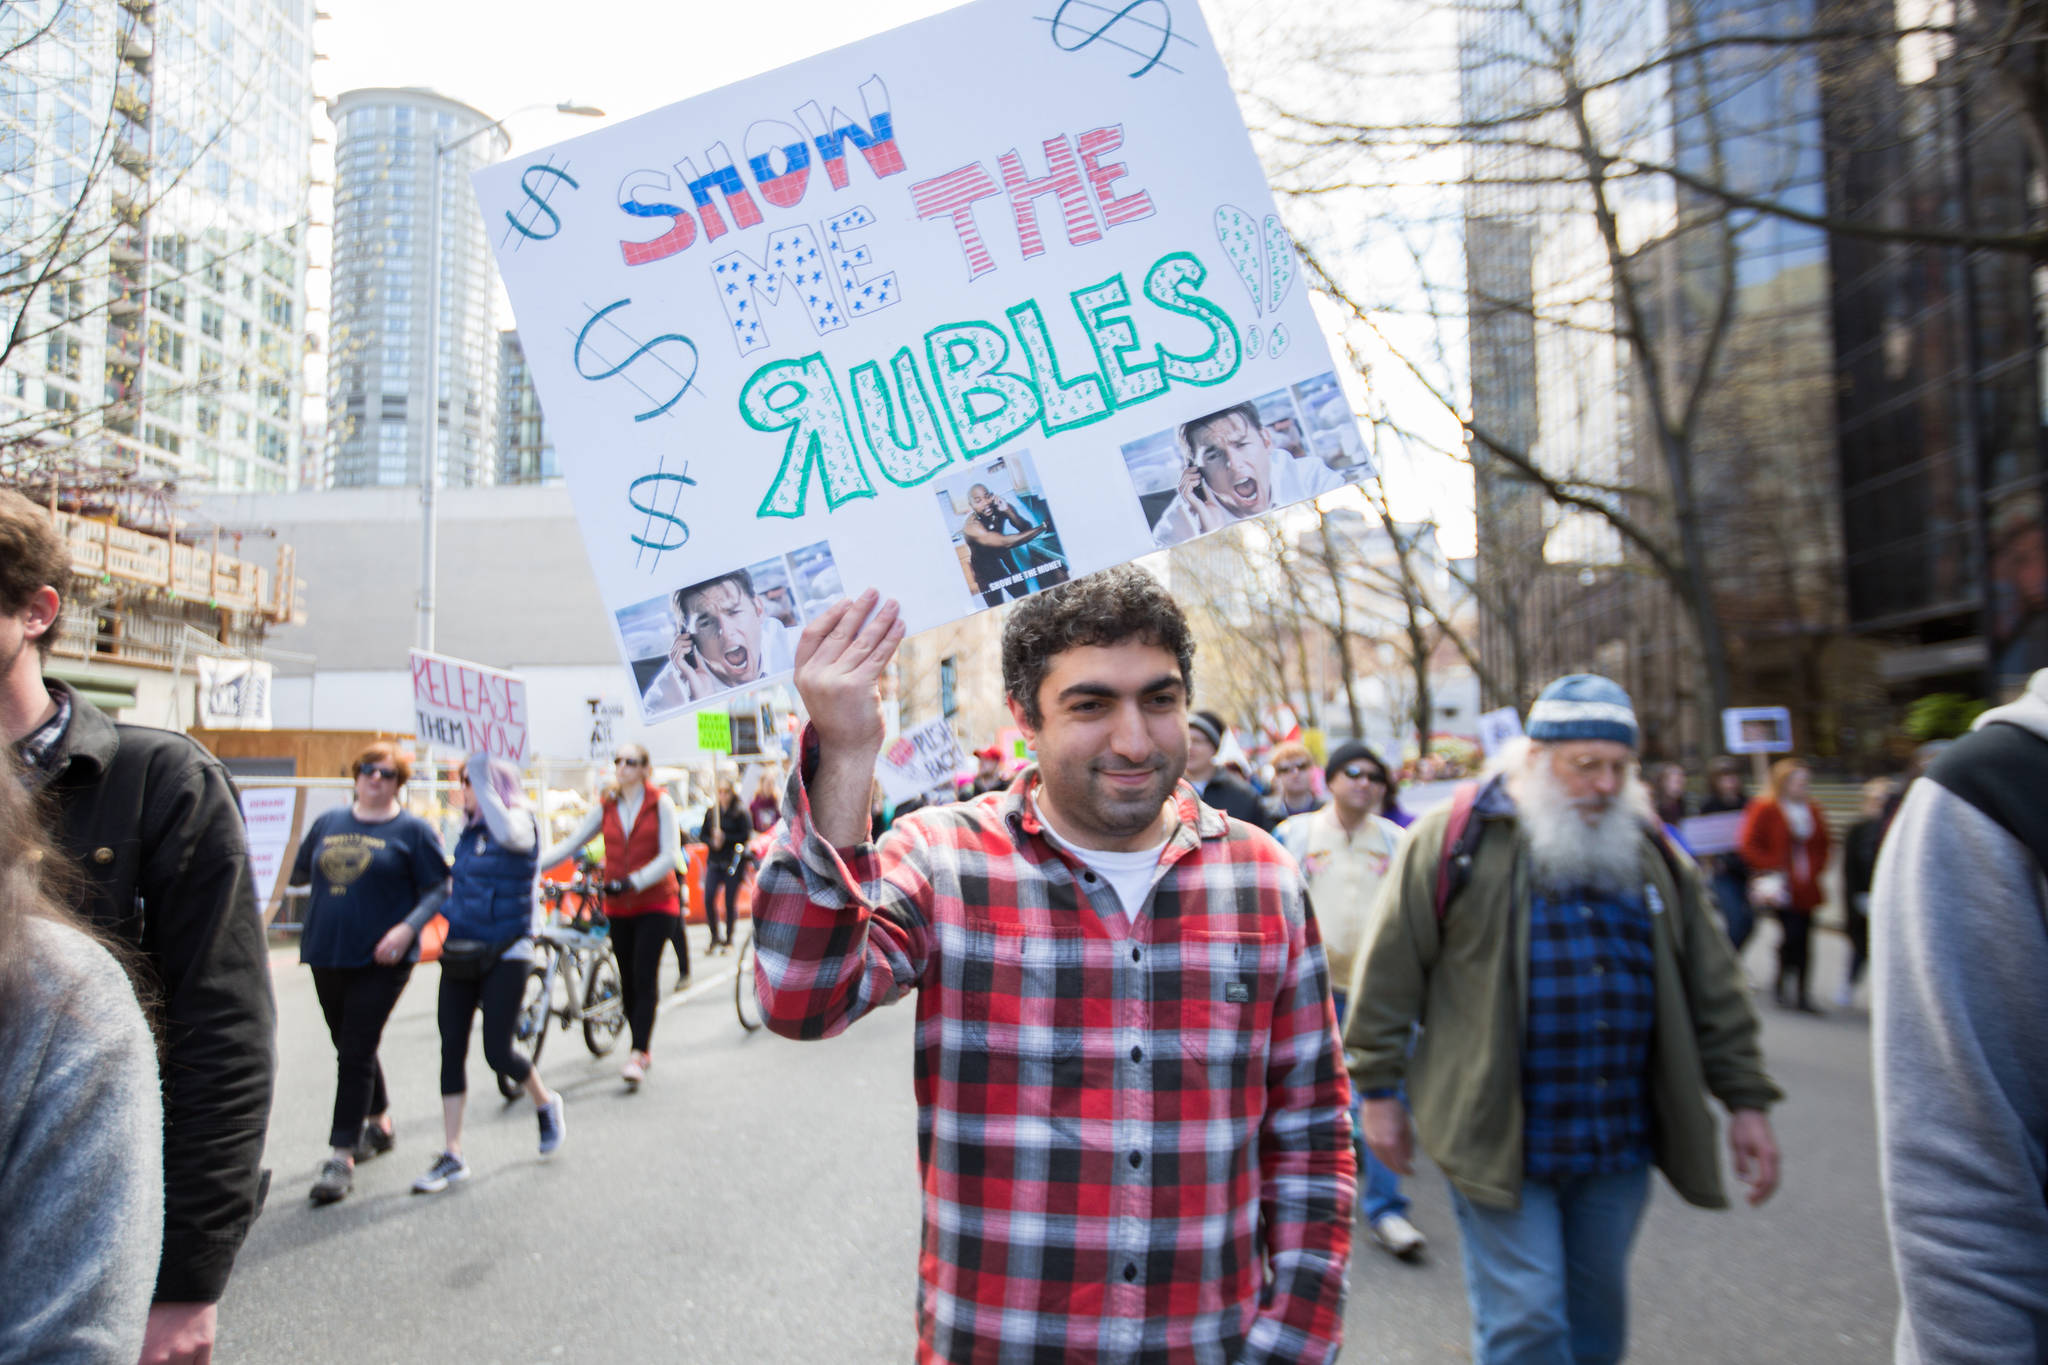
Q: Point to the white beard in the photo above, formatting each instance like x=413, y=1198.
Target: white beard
x=1565, y=849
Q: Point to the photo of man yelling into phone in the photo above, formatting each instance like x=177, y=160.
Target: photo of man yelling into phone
x=1232, y=467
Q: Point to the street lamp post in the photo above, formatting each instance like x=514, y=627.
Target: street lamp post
x=430, y=458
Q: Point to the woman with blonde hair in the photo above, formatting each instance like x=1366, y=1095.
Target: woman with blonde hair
x=638, y=820
x=486, y=956
x=81, y=1121
x=368, y=866
x=1785, y=844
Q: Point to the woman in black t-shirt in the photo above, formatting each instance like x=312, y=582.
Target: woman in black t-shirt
x=371, y=864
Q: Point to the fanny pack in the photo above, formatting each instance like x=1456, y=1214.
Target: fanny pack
x=466, y=959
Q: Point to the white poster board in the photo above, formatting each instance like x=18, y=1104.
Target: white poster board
x=267, y=813
x=605, y=714
x=959, y=311
x=1705, y=834
x=919, y=760
x=1757, y=730
x=234, y=694
x=465, y=708
x=1498, y=728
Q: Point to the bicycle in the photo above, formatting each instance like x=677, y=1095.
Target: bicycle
x=575, y=977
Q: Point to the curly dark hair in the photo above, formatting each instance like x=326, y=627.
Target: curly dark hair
x=1106, y=608
x=32, y=556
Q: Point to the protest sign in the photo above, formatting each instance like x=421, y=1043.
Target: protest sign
x=604, y=717
x=1757, y=730
x=1705, y=834
x=267, y=814
x=466, y=708
x=714, y=732
x=234, y=694
x=1497, y=728
x=958, y=311
x=919, y=760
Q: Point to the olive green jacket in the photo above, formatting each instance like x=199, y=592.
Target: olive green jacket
x=1466, y=982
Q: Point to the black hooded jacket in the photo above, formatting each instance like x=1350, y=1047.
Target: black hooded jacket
x=153, y=822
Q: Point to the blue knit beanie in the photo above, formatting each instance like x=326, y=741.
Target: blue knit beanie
x=1582, y=706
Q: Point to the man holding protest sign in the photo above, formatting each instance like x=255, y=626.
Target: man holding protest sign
x=1127, y=1044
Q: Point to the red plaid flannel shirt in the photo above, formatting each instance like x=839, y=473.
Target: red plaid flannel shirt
x=1133, y=1137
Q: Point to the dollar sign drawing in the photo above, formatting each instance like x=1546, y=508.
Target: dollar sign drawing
x=538, y=201
x=641, y=348
x=676, y=533
x=1129, y=15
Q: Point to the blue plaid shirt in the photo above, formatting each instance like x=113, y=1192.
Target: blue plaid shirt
x=1586, y=1047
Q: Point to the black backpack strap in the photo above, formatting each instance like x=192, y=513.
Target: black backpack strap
x=2002, y=770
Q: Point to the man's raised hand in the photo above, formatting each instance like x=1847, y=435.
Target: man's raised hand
x=839, y=663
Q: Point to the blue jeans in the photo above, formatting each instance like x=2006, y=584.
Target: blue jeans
x=1731, y=891
x=1379, y=1188
x=1548, y=1282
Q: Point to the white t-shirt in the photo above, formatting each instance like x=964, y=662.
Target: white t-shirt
x=1128, y=874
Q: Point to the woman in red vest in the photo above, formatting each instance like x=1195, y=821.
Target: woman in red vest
x=1785, y=843
x=638, y=821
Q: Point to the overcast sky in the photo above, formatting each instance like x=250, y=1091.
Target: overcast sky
x=630, y=56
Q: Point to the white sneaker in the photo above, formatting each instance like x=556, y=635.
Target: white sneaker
x=1399, y=1236
x=634, y=1072
x=448, y=1169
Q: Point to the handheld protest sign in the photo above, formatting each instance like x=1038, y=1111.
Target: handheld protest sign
x=466, y=708
x=958, y=311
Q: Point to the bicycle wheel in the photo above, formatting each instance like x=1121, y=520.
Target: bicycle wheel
x=529, y=1026
x=604, y=1005
x=744, y=1002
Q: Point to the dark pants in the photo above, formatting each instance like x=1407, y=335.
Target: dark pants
x=679, y=934
x=497, y=992
x=357, y=1001
x=1731, y=890
x=716, y=878
x=638, y=940
x=1792, y=950
x=1857, y=926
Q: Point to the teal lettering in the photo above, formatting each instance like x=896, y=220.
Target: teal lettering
x=985, y=404
x=1114, y=336
x=906, y=458
x=1067, y=404
x=802, y=398
x=1171, y=283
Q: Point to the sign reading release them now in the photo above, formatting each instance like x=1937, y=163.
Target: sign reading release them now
x=958, y=311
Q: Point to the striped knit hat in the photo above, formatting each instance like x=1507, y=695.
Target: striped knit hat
x=1582, y=706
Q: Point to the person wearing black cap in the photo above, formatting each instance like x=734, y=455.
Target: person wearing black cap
x=1213, y=784
x=1343, y=849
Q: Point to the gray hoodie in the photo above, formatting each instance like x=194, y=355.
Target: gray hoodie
x=1959, y=927
x=81, y=1157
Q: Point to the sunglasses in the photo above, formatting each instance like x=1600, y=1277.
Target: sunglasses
x=1292, y=767
x=1358, y=772
x=626, y=762
x=376, y=770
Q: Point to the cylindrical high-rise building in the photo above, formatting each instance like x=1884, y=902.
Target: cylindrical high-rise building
x=377, y=372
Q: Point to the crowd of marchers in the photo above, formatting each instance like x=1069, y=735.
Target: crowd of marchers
x=1177, y=1036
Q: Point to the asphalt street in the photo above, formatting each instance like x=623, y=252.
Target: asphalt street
x=756, y=1200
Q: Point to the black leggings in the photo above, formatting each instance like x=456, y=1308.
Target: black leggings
x=638, y=940
x=679, y=934
x=715, y=878
x=1792, y=950
x=357, y=1001
x=498, y=992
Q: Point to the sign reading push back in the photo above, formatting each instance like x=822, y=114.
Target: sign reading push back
x=958, y=311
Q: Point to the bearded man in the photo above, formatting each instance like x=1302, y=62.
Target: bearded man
x=1576, y=998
